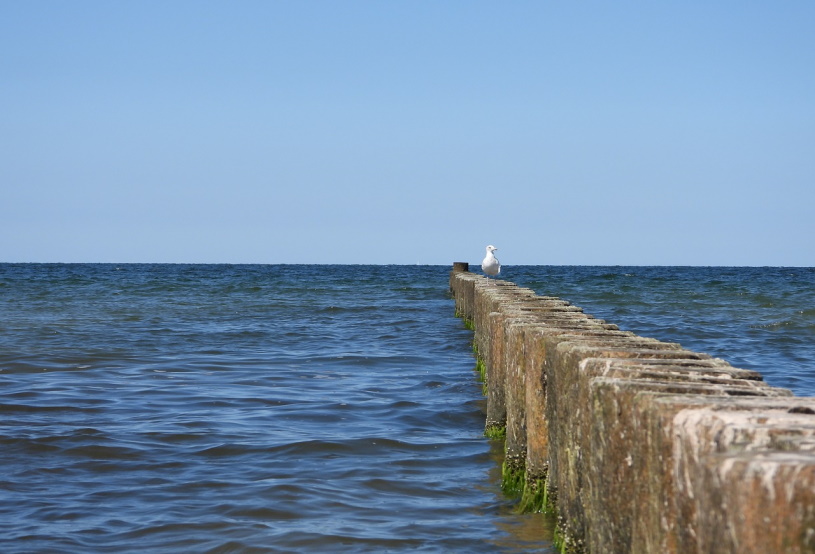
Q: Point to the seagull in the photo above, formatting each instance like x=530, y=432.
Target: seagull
x=491, y=265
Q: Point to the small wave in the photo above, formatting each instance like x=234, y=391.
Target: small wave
x=772, y=325
x=105, y=452
x=6, y=408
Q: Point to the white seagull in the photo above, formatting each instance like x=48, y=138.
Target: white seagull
x=491, y=265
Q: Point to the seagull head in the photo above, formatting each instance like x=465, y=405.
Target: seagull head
x=491, y=248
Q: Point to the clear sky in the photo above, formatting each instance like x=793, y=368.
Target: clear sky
x=408, y=131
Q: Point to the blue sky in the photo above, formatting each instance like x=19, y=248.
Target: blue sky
x=415, y=131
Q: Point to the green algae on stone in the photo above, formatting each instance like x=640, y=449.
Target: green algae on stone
x=481, y=367
x=495, y=432
x=534, y=498
x=513, y=479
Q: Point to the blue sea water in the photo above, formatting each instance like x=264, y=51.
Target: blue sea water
x=273, y=408
x=219, y=408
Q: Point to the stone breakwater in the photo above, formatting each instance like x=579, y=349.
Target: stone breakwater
x=637, y=445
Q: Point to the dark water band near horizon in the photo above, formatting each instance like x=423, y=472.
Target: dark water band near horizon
x=269, y=408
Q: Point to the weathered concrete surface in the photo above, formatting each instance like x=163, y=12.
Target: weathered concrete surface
x=643, y=446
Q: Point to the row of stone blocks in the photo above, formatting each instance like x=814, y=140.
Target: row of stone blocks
x=640, y=445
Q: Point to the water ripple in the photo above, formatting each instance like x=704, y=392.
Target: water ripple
x=186, y=408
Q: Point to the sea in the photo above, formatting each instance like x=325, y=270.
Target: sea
x=307, y=408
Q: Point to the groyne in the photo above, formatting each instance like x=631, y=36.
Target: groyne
x=637, y=445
